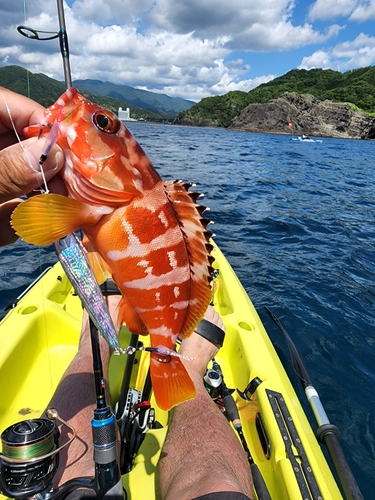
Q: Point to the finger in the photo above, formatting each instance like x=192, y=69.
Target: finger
x=20, y=172
x=18, y=110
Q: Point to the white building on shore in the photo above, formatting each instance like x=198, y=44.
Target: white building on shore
x=124, y=115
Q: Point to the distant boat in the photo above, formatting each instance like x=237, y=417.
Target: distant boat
x=305, y=139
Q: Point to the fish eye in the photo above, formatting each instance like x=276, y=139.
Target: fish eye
x=106, y=122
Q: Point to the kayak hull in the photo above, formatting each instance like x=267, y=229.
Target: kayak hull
x=39, y=338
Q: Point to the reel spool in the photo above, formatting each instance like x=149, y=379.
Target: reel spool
x=29, y=457
x=24, y=467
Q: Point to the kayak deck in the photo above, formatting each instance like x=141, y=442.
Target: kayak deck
x=39, y=337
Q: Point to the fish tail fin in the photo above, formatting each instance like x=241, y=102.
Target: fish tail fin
x=171, y=382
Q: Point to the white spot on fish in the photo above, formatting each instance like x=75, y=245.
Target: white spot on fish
x=172, y=259
x=69, y=93
x=180, y=276
x=176, y=291
x=143, y=263
x=142, y=310
x=136, y=249
x=182, y=304
x=133, y=240
x=163, y=219
x=164, y=332
x=157, y=296
x=71, y=135
x=148, y=270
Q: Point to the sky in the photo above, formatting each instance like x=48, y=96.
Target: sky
x=190, y=48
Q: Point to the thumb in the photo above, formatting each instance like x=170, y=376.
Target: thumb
x=20, y=172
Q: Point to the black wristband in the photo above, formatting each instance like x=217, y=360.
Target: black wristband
x=211, y=332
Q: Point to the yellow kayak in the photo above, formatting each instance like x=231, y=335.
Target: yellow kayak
x=39, y=338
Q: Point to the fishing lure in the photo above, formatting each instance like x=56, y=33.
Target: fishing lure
x=73, y=259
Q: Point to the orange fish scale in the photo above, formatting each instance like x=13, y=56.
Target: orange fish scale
x=147, y=224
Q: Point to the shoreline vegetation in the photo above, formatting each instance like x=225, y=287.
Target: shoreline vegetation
x=317, y=102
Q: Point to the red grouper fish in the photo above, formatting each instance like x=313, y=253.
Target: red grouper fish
x=147, y=233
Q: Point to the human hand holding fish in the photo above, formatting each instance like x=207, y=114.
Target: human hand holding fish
x=148, y=234
x=20, y=172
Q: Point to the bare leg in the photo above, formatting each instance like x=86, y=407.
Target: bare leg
x=75, y=401
x=201, y=454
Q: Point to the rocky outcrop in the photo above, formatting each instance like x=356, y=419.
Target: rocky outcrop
x=307, y=115
x=197, y=122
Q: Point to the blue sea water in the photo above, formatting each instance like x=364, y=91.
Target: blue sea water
x=297, y=223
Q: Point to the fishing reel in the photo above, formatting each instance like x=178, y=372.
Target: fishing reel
x=30, y=456
x=213, y=383
x=137, y=418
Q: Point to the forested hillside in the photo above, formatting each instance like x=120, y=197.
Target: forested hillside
x=46, y=90
x=356, y=87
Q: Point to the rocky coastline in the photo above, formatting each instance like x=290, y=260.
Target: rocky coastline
x=297, y=114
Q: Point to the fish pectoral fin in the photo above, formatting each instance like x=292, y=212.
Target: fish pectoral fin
x=45, y=218
x=128, y=315
x=98, y=265
x=171, y=382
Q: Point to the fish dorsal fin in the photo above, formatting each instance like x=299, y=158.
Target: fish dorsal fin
x=98, y=265
x=45, y=218
x=194, y=228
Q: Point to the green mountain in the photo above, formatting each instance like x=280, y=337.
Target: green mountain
x=135, y=97
x=46, y=90
x=356, y=87
x=37, y=86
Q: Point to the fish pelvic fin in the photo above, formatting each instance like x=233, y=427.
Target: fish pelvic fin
x=171, y=382
x=45, y=218
x=128, y=315
x=97, y=263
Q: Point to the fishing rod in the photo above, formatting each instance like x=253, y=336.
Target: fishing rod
x=108, y=482
x=327, y=433
x=51, y=35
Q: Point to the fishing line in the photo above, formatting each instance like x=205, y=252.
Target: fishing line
x=46, y=190
x=27, y=73
x=42, y=190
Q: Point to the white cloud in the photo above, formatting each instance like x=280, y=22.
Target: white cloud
x=190, y=48
x=253, y=26
x=319, y=59
x=355, y=10
x=364, y=12
x=330, y=9
x=359, y=52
